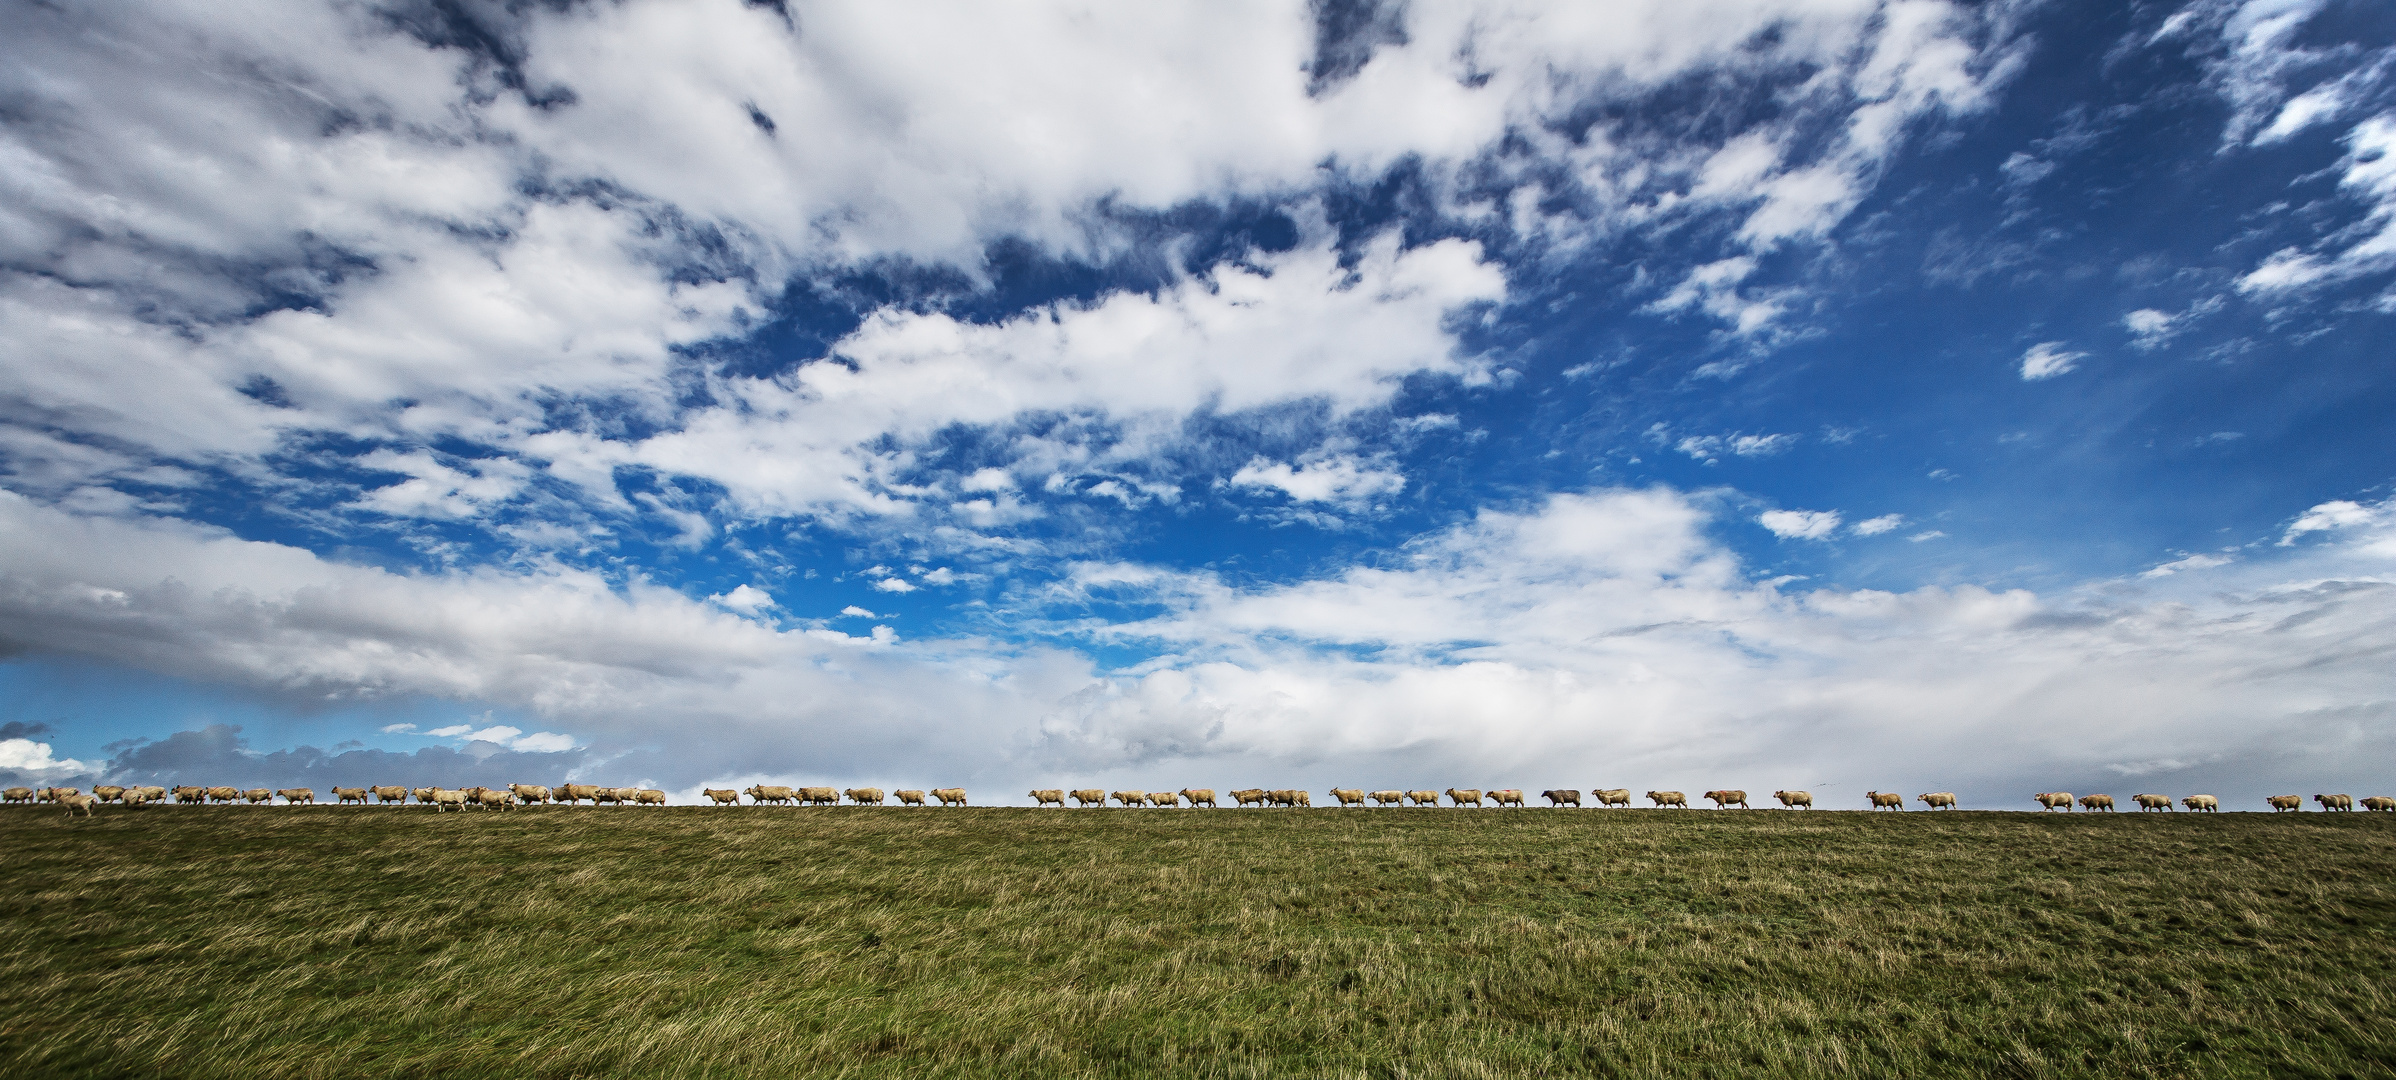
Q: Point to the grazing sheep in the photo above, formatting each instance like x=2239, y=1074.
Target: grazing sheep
x=721, y=796
x=909, y=797
x=226, y=794
x=1726, y=798
x=2336, y=802
x=1348, y=796
x=1204, y=796
x=108, y=793
x=2380, y=803
x=2290, y=804
x=1250, y=796
x=348, y=795
x=78, y=804
x=17, y=795
x=949, y=796
x=1668, y=798
x=1620, y=796
x=1131, y=798
x=1888, y=799
x=1467, y=795
x=1560, y=796
x=1507, y=797
x=2202, y=803
x=2051, y=800
x=819, y=796
x=257, y=795
x=1795, y=800
x=1165, y=798
x=1423, y=798
x=1386, y=797
x=296, y=795
x=1089, y=797
x=1045, y=796
x=2148, y=803
x=2094, y=803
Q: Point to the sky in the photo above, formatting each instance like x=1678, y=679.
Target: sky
x=1831, y=394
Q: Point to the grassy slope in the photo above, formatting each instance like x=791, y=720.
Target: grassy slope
x=907, y=942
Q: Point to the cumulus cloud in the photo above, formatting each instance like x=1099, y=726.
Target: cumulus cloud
x=2048, y=359
x=1878, y=525
x=2333, y=515
x=746, y=599
x=1341, y=479
x=1800, y=524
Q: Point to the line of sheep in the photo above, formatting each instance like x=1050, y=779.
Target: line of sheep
x=439, y=798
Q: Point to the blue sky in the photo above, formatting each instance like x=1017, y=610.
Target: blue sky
x=1988, y=397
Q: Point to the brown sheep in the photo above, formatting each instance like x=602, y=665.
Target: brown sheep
x=1938, y=800
x=529, y=794
x=2379, y=803
x=2052, y=800
x=723, y=796
x=613, y=795
x=2094, y=803
x=649, y=797
x=910, y=797
x=296, y=795
x=1165, y=798
x=1131, y=798
x=2336, y=802
x=390, y=794
x=1289, y=797
x=1668, y=798
x=348, y=795
x=1385, y=797
x=572, y=794
x=187, y=795
x=2147, y=803
x=1248, y=796
x=1726, y=798
x=108, y=793
x=226, y=794
x=1795, y=800
x=423, y=794
x=1045, y=796
x=78, y=804
x=776, y=794
x=1611, y=796
x=137, y=797
x=1089, y=797
x=490, y=798
x=257, y=795
x=444, y=798
x=950, y=796
x=819, y=796
x=1561, y=796
x=17, y=795
x=1204, y=796
x=1507, y=797
x=1423, y=798
x=1467, y=795
x=1888, y=799
x=1304, y=799
x=2289, y=804
x=2205, y=804
x=1348, y=796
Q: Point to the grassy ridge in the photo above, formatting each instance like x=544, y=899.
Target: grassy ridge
x=236, y=941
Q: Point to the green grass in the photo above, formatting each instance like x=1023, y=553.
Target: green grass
x=238, y=941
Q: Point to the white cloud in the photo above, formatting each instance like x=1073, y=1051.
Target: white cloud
x=2332, y=515
x=895, y=585
x=1800, y=524
x=34, y=760
x=2149, y=328
x=853, y=611
x=2048, y=359
x=1878, y=525
x=1705, y=447
x=1341, y=479
x=1930, y=535
x=746, y=599
x=2199, y=561
x=2286, y=270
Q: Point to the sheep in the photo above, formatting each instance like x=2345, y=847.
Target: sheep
x=2202, y=803
x=2094, y=803
x=864, y=796
x=1089, y=797
x=1304, y=799
x=149, y=794
x=137, y=797
x=910, y=797
x=1131, y=798
x=1045, y=796
x=1165, y=798
x=2336, y=802
x=571, y=794
x=1423, y=798
x=1198, y=797
x=529, y=794
x=2148, y=803
x=444, y=798
x=188, y=795
x=721, y=796
x=649, y=797
x=1468, y=795
x=1385, y=797
x=1795, y=800
x=777, y=794
x=296, y=795
x=78, y=804
x=1888, y=799
x=108, y=793
x=1348, y=796
x=2290, y=804
x=1289, y=797
x=1247, y=796
x=2052, y=800
x=256, y=796
x=1507, y=797
x=388, y=795
x=423, y=794
x=607, y=795
x=490, y=798
x=17, y=795
x=950, y=796
x=1726, y=798
x=819, y=796
x=2379, y=803
x=1668, y=798
x=1560, y=796
x=348, y=795
x=1611, y=796
x=226, y=794
x=1938, y=800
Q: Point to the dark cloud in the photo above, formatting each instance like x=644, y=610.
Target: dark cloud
x=219, y=755
x=18, y=729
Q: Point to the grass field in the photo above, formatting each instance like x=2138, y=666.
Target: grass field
x=239, y=941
